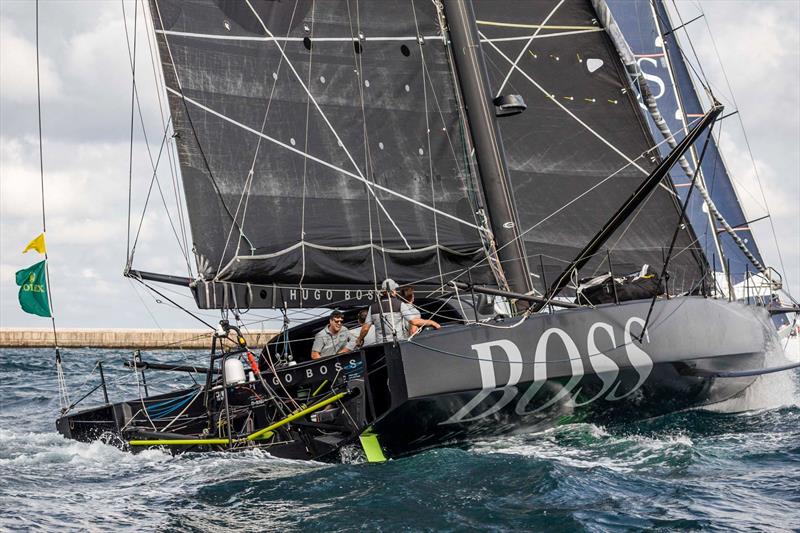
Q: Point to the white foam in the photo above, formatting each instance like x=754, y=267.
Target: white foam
x=594, y=447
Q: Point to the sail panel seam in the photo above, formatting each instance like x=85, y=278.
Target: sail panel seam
x=325, y=118
x=524, y=48
x=292, y=39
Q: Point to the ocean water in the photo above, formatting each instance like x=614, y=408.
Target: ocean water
x=690, y=471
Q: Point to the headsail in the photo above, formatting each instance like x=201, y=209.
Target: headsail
x=647, y=27
x=582, y=146
x=321, y=143
x=715, y=173
x=636, y=21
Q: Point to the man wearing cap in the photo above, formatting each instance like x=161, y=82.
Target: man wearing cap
x=332, y=339
x=385, y=314
x=388, y=315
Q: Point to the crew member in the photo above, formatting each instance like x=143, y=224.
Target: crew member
x=386, y=316
x=369, y=338
x=412, y=319
x=333, y=338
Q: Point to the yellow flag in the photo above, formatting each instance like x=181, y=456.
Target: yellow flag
x=36, y=244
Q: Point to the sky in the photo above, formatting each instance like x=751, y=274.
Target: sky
x=86, y=96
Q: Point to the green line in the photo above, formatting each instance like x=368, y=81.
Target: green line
x=261, y=433
x=178, y=442
x=319, y=388
x=265, y=433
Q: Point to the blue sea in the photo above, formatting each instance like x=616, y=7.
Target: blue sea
x=691, y=471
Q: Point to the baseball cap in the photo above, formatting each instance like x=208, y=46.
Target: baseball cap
x=389, y=285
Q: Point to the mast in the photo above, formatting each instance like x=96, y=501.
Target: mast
x=494, y=176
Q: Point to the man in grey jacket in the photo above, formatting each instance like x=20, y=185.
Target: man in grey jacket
x=333, y=338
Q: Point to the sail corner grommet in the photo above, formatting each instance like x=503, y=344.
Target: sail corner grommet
x=509, y=104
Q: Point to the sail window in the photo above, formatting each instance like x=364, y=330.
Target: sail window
x=357, y=47
x=366, y=83
x=405, y=51
x=593, y=64
x=380, y=145
x=307, y=42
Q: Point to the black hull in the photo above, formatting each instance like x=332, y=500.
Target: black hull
x=466, y=382
x=417, y=424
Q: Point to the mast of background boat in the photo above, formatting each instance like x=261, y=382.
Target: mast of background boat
x=494, y=177
x=693, y=150
x=63, y=394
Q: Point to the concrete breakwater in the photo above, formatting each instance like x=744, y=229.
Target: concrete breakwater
x=119, y=338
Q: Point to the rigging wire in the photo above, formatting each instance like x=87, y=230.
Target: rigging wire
x=325, y=118
x=750, y=153
x=358, y=64
x=706, y=85
x=174, y=303
x=247, y=187
x=128, y=259
x=305, y=148
x=160, y=87
x=202, y=153
x=424, y=71
x=62, y=385
x=132, y=58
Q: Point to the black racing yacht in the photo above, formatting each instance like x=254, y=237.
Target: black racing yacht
x=509, y=160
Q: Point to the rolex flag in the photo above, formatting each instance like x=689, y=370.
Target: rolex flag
x=32, y=283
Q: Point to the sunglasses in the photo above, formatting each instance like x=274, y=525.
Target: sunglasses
x=337, y=320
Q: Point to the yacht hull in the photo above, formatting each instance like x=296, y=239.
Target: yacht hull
x=465, y=382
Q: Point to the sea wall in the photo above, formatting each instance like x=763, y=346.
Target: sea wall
x=118, y=338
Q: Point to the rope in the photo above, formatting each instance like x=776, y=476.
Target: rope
x=63, y=397
x=184, y=99
x=128, y=258
x=160, y=87
x=428, y=137
x=752, y=160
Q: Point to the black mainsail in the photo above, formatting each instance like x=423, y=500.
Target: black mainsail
x=321, y=143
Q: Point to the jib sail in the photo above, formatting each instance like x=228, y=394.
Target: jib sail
x=582, y=145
